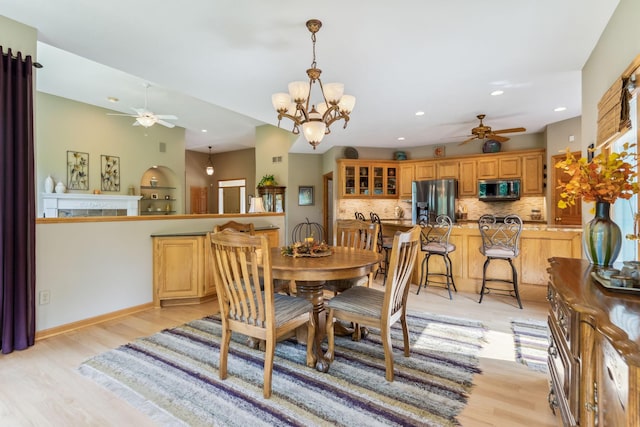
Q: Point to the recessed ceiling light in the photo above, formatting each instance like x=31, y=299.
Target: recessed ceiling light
x=558, y=109
x=401, y=138
x=419, y=113
x=497, y=92
x=204, y=131
x=112, y=99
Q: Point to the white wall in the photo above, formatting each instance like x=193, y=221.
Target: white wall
x=95, y=268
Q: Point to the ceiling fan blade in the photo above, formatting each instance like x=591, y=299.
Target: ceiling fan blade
x=166, y=116
x=511, y=130
x=167, y=124
x=497, y=137
x=468, y=140
x=136, y=123
x=118, y=114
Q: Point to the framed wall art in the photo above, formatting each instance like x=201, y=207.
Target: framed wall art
x=77, y=170
x=109, y=173
x=305, y=195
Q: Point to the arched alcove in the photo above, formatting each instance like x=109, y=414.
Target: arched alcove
x=159, y=191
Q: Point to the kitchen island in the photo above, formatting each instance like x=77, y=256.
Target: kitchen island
x=538, y=242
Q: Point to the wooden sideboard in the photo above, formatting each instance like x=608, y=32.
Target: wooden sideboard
x=183, y=269
x=594, y=351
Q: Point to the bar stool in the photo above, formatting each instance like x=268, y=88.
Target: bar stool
x=500, y=240
x=435, y=241
x=383, y=244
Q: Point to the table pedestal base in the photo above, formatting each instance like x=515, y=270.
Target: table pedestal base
x=313, y=292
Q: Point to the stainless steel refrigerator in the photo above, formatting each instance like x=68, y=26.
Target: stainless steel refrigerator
x=434, y=197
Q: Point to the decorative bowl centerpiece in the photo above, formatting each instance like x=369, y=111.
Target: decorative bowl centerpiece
x=308, y=248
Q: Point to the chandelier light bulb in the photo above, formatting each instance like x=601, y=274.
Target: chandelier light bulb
x=295, y=105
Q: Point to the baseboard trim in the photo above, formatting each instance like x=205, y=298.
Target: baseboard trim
x=47, y=333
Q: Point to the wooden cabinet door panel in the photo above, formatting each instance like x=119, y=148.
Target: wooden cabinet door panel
x=425, y=170
x=407, y=174
x=487, y=168
x=177, y=267
x=448, y=169
x=467, y=183
x=509, y=167
x=532, y=175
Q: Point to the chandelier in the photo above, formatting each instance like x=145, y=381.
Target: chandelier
x=315, y=122
x=209, y=164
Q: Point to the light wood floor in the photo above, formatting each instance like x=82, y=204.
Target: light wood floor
x=41, y=386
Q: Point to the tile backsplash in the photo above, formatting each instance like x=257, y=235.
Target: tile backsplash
x=385, y=208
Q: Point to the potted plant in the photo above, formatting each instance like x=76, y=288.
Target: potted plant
x=603, y=180
x=267, y=180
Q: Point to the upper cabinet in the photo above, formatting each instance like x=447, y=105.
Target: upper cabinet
x=392, y=179
x=533, y=174
x=366, y=178
x=501, y=166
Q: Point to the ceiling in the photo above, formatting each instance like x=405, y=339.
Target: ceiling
x=215, y=64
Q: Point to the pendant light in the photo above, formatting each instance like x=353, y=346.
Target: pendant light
x=209, y=164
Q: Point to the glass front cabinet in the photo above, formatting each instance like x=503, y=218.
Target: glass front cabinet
x=272, y=197
x=368, y=179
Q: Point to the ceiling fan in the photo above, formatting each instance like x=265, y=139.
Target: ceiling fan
x=484, y=132
x=146, y=118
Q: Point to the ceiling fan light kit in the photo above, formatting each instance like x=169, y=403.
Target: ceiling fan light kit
x=147, y=118
x=315, y=122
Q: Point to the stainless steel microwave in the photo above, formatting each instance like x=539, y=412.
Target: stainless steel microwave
x=498, y=190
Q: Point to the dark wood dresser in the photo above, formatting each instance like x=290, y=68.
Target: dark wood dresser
x=594, y=351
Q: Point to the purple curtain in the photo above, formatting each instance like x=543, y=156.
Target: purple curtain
x=17, y=204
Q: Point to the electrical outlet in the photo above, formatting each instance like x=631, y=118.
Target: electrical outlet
x=44, y=297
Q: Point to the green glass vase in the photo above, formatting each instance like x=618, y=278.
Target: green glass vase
x=601, y=238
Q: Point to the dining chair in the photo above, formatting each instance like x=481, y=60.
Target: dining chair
x=435, y=241
x=379, y=308
x=355, y=234
x=500, y=240
x=279, y=285
x=237, y=226
x=383, y=245
x=247, y=309
x=360, y=216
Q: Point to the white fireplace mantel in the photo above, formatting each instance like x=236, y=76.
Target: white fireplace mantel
x=53, y=202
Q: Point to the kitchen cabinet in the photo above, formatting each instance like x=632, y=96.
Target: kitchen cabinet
x=426, y=170
x=467, y=182
x=368, y=179
x=499, y=167
x=407, y=176
x=533, y=174
x=448, y=169
x=594, y=351
x=509, y=167
x=487, y=168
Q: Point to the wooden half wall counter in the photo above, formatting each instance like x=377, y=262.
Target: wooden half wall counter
x=183, y=269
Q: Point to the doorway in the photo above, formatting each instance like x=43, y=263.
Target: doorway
x=571, y=215
x=327, y=206
x=199, y=199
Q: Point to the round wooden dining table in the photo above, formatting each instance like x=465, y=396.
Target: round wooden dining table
x=310, y=273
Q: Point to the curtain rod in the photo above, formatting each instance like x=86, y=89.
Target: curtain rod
x=34, y=64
